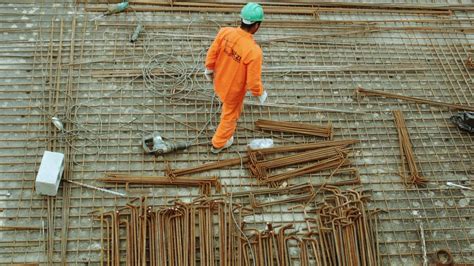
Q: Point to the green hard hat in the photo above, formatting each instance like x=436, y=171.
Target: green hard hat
x=251, y=13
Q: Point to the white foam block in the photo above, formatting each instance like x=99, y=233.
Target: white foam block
x=49, y=173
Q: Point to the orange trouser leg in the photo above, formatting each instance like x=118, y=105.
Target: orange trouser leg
x=229, y=116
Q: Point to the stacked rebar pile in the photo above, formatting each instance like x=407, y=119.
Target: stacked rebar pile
x=340, y=231
x=292, y=127
x=260, y=152
x=406, y=153
x=184, y=234
x=344, y=233
x=327, y=158
x=346, y=230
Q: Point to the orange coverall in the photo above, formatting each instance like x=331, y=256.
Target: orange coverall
x=236, y=60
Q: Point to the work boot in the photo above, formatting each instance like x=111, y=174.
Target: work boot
x=227, y=145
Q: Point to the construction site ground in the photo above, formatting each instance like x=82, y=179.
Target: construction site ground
x=58, y=59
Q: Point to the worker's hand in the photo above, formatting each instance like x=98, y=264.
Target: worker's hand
x=262, y=98
x=209, y=74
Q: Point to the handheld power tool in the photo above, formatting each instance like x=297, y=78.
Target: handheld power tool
x=154, y=143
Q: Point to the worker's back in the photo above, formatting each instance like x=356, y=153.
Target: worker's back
x=236, y=60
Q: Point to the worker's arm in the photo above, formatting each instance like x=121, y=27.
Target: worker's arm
x=254, y=73
x=213, y=51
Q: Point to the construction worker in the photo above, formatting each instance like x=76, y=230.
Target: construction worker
x=234, y=63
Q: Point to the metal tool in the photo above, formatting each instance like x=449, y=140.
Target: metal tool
x=120, y=7
x=154, y=143
x=451, y=184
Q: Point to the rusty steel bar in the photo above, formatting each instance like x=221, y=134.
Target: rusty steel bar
x=163, y=180
x=366, y=92
x=406, y=153
x=293, y=127
x=265, y=151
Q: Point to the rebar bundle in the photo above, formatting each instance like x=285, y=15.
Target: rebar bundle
x=205, y=183
x=261, y=152
x=346, y=230
x=343, y=233
x=292, y=127
x=259, y=169
x=361, y=91
x=334, y=162
x=340, y=231
x=406, y=153
x=303, y=157
x=333, y=157
x=183, y=234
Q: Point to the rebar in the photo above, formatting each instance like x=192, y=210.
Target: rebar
x=181, y=234
x=17, y=227
x=413, y=177
x=204, y=182
x=280, y=8
x=333, y=162
x=265, y=151
x=423, y=55
x=342, y=235
x=292, y=127
x=362, y=91
x=444, y=257
x=303, y=193
x=259, y=167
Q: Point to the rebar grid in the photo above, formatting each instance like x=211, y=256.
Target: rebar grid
x=56, y=66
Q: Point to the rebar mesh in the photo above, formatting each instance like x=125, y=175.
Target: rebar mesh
x=55, y=61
